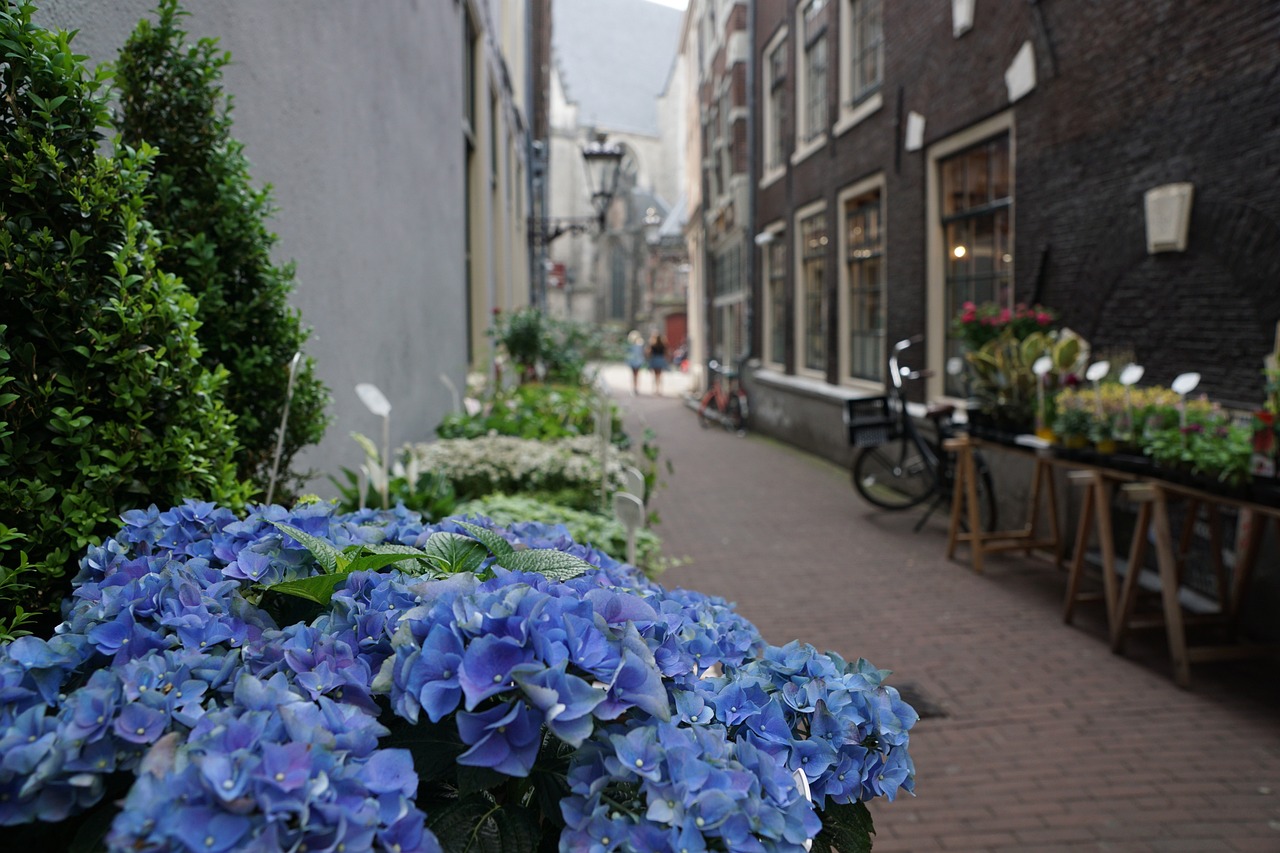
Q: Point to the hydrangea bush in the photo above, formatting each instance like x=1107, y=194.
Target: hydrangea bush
x=422, y=690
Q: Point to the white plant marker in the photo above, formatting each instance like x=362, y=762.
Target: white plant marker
x=1129, y=377
x=633, y=481
x=629, y=510
x=1095, y=374
x=802, y=782
x=1183, y=385
x=1041, y=369
x=284, y=422
x=377, y=403
x=604, y=430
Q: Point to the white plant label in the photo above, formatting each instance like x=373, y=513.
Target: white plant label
x=1132, y=375
x=374, y=400
x=1185, y=383
x=1097, y=370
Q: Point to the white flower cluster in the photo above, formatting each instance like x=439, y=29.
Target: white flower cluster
x=520, y=464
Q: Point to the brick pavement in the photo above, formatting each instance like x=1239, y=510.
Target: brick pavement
x=1049, y=742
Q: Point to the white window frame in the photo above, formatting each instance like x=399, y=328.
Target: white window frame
x=855, y=109
x=875, y=183
x=798, y=296
x=778, y=231
x=772, y=124
x=936, y=263
x=806, y=147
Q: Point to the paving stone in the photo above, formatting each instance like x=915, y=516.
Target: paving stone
x=1049, y=741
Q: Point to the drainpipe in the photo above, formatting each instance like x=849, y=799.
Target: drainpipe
x=752, y=154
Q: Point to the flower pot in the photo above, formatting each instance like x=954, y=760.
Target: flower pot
x=1106, y=446
x=1075, y=442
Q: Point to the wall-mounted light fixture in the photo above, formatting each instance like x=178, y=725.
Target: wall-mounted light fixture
x=1168, y=210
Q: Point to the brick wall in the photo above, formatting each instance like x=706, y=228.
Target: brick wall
x=1129, y=96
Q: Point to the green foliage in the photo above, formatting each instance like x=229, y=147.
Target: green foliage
x=201, y=197
x=442, y=554
x=561, y=348
x=846, y=827
x=419, y=489
x=565, y=471
x=1209, y=444
x=104, y=403
x=600, y=531
x=535, y=411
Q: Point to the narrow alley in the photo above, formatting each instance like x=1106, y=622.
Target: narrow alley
x=1035, y=736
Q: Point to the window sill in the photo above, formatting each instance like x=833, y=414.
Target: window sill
x=837, y=394
x=853, y=115
x=807, y=150
x=771, y=177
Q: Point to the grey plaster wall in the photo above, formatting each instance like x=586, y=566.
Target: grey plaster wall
x=352, y=111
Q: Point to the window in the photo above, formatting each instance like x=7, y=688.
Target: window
x=729, y=299
x=813, y=78
x=864, y=282
x=812, y=310
x=775, y=105
x=975, y=204
x=775, y=278
x=864, y=65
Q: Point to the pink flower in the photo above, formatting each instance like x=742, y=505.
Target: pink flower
x=1005, y=316
x=1043, y=319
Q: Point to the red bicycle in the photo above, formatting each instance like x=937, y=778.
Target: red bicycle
x=725, y=402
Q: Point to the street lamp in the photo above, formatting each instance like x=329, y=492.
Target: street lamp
x=604, y=164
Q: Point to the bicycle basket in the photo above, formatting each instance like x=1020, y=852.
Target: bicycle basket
x=870, y=422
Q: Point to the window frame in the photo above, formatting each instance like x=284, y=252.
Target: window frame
x=774, y=119
x=868, y=187
x=937, y=321
x=773, y=271
x=802, y=217
x=857, y=102
x=807, y=143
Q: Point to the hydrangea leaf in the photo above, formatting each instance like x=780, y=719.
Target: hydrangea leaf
x=476, y=824
x=493, y=541
x=435, y=747
x=472, y=780
x=846, y=827
x=557, y=565
x=454, y=552
x=329, y=557
x=373, y=562
x=318, y=588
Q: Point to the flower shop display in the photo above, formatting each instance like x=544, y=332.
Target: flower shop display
x=296, y=679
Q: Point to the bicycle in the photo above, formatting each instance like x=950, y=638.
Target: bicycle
x=725, y=402
x=896, y=467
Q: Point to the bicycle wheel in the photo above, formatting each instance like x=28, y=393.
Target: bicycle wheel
x=894, y=475
x=705, y=410
x=733, y=419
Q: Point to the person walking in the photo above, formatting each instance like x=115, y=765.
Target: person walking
x=657, y=360
x=635, y=359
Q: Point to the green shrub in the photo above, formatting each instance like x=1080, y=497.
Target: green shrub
x=104, y=404
x=566, y=471
x=561, y=348
x=203, y=201
x=602, y=532
x=535, y=411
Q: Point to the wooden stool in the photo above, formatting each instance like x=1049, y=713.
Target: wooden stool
x=964, y=505
x=1095, y=515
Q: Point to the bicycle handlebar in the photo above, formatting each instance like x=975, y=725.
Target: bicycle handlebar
x=896, y=373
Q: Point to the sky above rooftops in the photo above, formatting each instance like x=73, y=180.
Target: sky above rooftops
x=614, y=57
